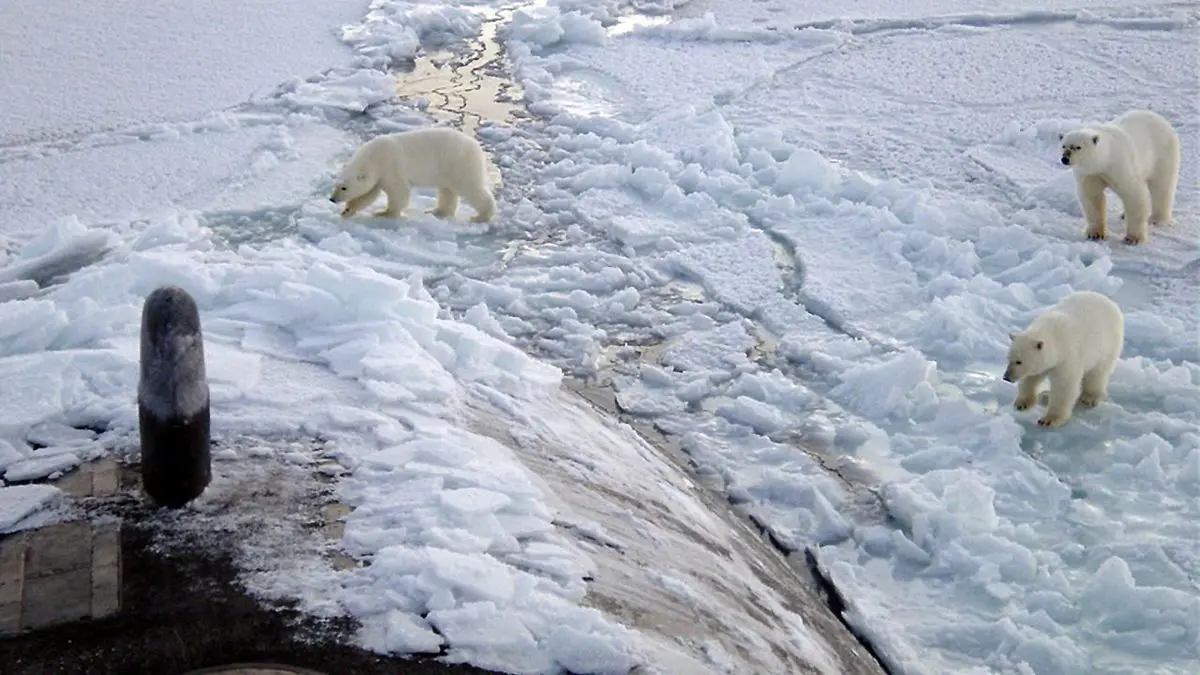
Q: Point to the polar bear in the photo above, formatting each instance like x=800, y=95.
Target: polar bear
x=440, y=157
x=1076, y=344
x=1137, y=155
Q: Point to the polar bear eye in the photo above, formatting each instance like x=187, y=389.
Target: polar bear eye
x=1016, y=363
x=342, y=188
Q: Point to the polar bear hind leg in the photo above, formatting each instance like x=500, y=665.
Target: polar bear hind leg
x=1095, y=207
x=1162, y=184
x=1095, y=382
x=1095, y=385
x=1135, y=197
x=447, y=203
x=481, y=200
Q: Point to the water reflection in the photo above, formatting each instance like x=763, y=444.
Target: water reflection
x=467, y=90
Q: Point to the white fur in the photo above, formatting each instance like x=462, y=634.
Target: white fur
x=1075, y=344
x=1137, y=155
x=440, y=157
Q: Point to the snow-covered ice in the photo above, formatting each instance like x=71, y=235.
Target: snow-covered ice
x=869, y=206
x=19, y=502
x=793, y=236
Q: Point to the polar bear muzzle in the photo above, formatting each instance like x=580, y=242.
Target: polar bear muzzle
x=1068, y=149
x=1066, y=153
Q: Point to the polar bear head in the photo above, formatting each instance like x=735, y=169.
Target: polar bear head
x=1085, y=149
x=356, y=180
x=1030, y=353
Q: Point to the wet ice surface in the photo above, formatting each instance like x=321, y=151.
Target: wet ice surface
x=116, y=586
x=796, y=244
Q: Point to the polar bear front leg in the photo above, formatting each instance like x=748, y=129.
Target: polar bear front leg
x=1136, y=200
x=1027, y=388
x=447, y=204
x=361, y=202
x=1095, y=208
x=1064, y=392
x=398, y=196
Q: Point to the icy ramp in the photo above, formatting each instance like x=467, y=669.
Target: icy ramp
x=671, y=560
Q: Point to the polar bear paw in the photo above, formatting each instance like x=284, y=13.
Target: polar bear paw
x=1052, y=421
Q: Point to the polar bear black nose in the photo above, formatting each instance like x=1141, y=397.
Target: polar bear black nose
x=335, y=201
x=1066, y=159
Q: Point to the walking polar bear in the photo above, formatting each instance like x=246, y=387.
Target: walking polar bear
x=440, y=157
x=1137, y=155
x=1075, y=344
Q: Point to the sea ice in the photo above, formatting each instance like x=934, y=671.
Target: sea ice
x=801, y=259
x=17, y=502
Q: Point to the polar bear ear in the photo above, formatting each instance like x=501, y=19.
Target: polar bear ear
x=1095, y=139
x=1039, y=344
x=361, y=176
